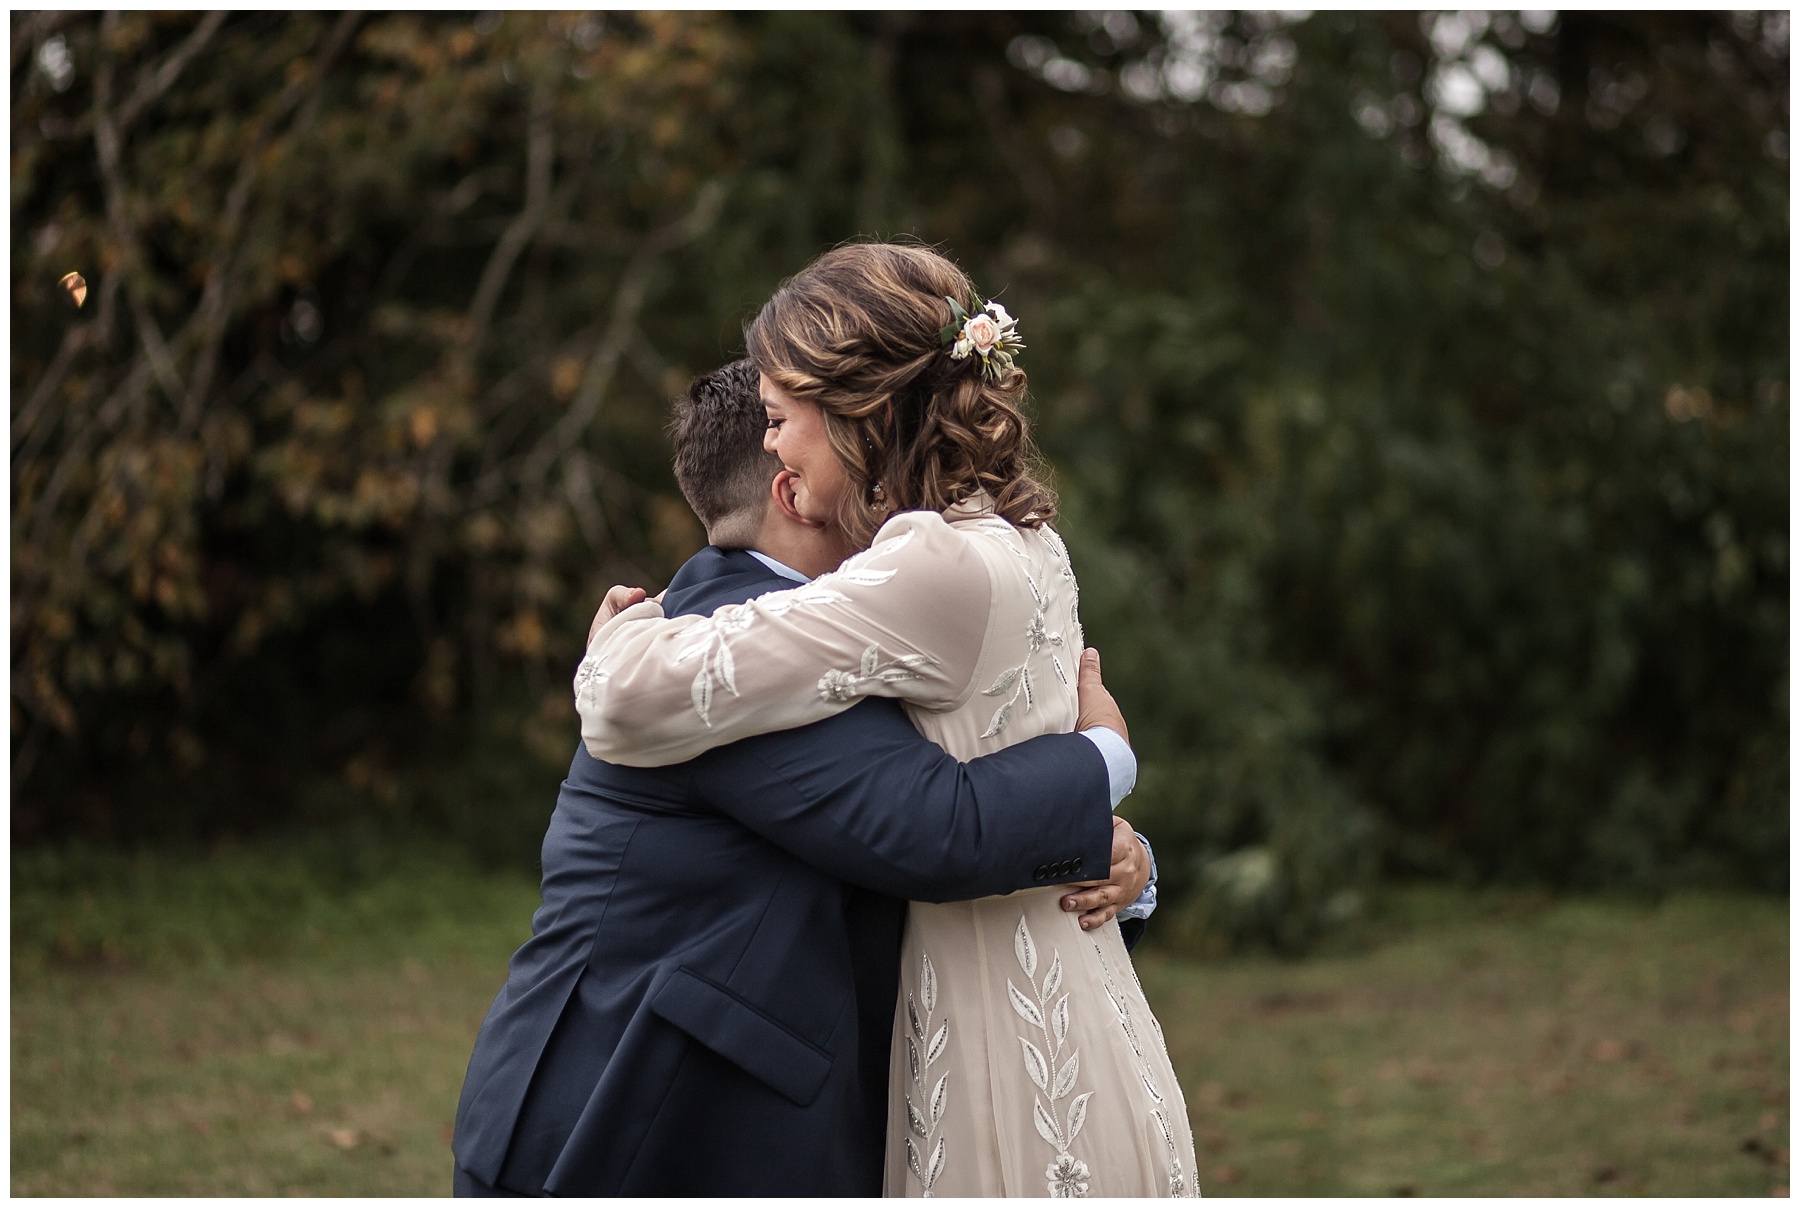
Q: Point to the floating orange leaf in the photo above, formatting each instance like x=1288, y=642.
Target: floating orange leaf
x=76, y=284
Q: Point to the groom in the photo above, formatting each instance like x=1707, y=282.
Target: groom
x=705, y=1004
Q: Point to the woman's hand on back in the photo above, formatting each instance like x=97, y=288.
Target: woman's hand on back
x=617, y=600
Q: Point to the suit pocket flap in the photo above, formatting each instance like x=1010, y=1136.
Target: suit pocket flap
x=742, y=1035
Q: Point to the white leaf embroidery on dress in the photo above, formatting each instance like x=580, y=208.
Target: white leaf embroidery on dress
x=1034, y=1064
x=1179, y=1186
x=702, y=694
x=1038, y=634
x=1004, y=682
x=1065, y=1077
x=717, y=666
x=727, y=668
x=1177, y=1177
x=924, y=1123
x=1067, y=1175
x=1078, y=1114
x=1024, y=949
x=839, y=686
x=1028, y=1010
x=1001, y=717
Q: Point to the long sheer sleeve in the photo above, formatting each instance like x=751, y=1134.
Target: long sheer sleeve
x=906, y=619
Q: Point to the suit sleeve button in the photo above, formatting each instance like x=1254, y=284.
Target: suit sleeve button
x=1041, y=872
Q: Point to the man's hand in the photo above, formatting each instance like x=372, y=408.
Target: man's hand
x=1096, y=706
x=1100, y=900
x=617, y=600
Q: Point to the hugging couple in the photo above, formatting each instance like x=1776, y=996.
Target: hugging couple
x=821, y=902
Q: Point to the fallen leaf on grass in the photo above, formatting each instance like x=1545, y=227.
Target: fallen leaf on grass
x=302, y=1101
x=344, y=1138
x=1227, y=1174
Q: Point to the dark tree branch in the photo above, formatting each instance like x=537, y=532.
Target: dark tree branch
x=152, y=84
x=540, y=157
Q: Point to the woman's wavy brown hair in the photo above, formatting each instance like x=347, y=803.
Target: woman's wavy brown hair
x=855, y=334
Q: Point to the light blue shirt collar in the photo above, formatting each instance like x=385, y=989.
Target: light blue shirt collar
x=786, y=572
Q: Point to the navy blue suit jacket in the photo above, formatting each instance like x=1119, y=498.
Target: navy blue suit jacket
x=705, y=1002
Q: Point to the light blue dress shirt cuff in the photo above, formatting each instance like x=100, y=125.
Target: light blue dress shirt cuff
x=1146, y=902
x=1121, y=764
x=1121, y=771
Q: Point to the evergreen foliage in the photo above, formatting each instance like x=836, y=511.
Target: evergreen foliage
x=1416, y=386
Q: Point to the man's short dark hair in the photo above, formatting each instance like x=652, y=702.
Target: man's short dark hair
x=717, y=431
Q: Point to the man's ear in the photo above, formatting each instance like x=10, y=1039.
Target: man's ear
x=782, y=491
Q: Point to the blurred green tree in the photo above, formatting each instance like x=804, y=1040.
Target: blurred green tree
x=1416, y=385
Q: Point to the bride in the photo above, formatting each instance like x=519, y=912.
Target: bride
x=1024, y=1057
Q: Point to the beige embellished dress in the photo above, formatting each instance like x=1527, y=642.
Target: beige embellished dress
x=1025, y=1061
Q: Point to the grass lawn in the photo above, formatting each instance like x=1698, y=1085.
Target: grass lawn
x=1495, y=1045
x=1474, y=1045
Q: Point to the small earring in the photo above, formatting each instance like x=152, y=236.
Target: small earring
x=876, y=494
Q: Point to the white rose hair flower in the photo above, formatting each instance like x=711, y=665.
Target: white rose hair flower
x=990, y=333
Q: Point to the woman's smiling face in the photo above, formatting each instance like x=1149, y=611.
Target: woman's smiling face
x=796, y=434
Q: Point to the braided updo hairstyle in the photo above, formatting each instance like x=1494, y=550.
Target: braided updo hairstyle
x=856, y=334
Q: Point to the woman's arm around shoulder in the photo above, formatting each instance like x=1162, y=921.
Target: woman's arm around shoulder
x=905, y=619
